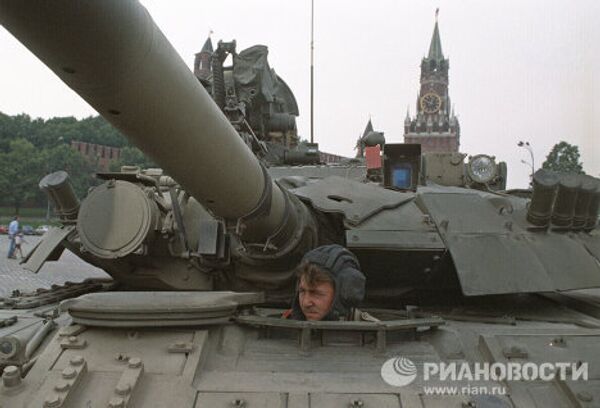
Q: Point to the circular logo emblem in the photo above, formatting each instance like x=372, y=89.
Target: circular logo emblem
x=398, y=371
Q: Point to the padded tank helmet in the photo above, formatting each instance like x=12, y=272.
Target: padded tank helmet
x=349, y=282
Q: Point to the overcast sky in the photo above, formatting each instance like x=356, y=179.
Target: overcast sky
x=519, y=70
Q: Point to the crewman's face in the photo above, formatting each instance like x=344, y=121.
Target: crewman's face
x=315, y=301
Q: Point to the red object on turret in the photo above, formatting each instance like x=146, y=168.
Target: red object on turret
x=373, y=157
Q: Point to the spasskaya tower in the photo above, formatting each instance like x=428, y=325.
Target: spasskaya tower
x=435, y=125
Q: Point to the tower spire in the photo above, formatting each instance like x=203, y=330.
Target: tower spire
x=435, y=48
x=202, y=62
x=208, y=47
x=434, y=126
x=368, y=128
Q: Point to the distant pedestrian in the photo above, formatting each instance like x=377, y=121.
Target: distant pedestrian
x=19, y=240
x=13, y=229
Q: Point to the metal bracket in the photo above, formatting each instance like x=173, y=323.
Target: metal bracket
x=181, y=347
x=127, y=383
x=178, y=217
x=264, y=204
x=70, y=377
x=73, y=342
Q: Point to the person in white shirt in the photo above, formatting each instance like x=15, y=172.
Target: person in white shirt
x=13, y=229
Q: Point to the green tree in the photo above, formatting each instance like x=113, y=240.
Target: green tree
x=33, y=147
x=19, y=173
x=564, y=157
x=45, y=133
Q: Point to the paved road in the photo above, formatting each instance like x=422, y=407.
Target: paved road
x=67, y=268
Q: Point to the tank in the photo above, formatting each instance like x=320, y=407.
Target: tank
x=462, y=274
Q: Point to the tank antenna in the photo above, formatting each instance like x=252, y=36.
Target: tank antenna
x=312, y=71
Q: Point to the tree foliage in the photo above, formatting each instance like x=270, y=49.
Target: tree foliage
x=31, y=148
x=19, y=172
x=564, y=157
x=45, y=133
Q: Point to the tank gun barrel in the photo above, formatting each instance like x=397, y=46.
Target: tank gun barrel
x=114, y=56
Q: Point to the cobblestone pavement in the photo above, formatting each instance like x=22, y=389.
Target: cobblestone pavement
x=67, y=268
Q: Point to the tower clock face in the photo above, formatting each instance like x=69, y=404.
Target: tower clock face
x=431, y=102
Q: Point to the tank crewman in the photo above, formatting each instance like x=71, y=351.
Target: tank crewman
x=330, y=286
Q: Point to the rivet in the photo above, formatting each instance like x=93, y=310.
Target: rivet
x=123, y=389
x=76, y=360
x=62, y=386
x=135, y=362
x=69, y=373
x=52, y=401
x=11, y=371
x=116, y=402
x=180, y=344
x=11, y=376
x=72, y=339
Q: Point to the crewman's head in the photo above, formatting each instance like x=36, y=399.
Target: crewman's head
x=316, y=291
x=330, y=284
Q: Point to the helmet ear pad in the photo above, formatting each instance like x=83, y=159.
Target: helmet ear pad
x=350, y=287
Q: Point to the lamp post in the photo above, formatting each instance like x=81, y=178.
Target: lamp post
x=527, y=146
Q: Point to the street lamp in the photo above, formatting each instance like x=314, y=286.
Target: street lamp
x=527, y=146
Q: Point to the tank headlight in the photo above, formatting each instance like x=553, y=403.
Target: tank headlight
x=8, y=347
x=482, y=168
